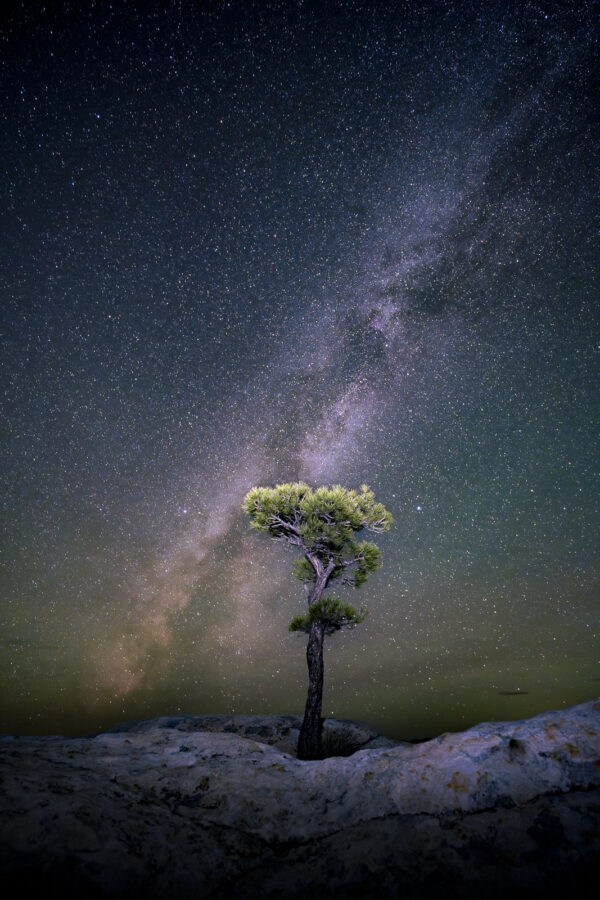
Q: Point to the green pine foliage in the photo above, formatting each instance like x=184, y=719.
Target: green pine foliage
x=303, y=570
x=322, y=524
x=330, y=612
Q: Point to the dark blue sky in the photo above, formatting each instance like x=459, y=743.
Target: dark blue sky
x=343, y=242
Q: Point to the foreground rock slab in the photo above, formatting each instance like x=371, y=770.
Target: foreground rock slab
x=162, y=809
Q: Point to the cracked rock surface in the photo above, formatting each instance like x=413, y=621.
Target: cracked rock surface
x=217, y=806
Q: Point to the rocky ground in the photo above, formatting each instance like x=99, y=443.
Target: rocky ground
x=219, y=807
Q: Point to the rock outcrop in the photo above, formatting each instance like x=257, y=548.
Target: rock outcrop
x=161, y=809
x=341, y=737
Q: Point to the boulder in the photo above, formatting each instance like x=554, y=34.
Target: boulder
x=205, y=807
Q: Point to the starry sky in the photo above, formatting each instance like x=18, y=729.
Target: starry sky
x=344, y=242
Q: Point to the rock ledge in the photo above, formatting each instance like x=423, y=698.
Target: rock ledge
x=162, y=809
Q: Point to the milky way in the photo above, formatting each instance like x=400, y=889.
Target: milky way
x=343, y=242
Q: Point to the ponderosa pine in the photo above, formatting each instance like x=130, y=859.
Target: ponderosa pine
x=322, y=525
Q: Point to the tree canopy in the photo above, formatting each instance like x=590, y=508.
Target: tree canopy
x=322, y=524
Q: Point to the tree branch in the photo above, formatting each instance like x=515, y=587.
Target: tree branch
x=277, y=520
x=289, y=539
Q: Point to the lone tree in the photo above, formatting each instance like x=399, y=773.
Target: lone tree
x=322, y=525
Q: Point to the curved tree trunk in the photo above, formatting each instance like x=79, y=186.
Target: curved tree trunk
x=309, y=741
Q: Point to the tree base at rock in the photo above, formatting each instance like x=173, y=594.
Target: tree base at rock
x=310, y=740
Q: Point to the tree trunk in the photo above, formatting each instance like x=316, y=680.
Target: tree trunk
x=309, y=740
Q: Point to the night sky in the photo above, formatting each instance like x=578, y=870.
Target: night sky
x=342, y=242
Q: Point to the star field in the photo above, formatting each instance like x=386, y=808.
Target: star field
x=257, y=242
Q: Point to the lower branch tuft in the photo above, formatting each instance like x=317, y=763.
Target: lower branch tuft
x=330, y=612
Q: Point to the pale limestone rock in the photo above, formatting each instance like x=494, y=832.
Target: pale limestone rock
x=162, y=809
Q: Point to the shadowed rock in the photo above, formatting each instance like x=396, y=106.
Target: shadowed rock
x=163, y=809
